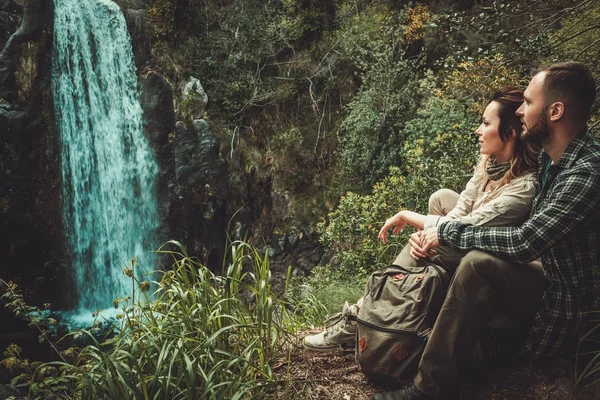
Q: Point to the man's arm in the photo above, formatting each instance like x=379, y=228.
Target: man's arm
x=573, y=199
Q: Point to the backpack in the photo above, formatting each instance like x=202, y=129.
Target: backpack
x=394, y=322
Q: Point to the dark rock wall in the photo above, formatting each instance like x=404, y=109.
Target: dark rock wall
x=31, y=245
x=202, y=190
x=137, y=24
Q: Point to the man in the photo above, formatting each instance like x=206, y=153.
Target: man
x=563, y=230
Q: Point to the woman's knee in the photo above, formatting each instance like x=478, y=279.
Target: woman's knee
x=442, y=201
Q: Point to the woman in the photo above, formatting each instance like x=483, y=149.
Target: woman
x=499, y=193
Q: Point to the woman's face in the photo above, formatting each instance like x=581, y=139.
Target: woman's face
x=488, y=132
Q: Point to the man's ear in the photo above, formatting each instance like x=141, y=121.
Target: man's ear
x=556, y=111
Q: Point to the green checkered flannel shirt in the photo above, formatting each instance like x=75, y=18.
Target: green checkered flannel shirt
x=563, y=230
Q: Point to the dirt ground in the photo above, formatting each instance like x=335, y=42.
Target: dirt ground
x=335, y=376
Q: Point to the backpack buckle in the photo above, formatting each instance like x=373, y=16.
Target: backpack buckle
x=425, y=334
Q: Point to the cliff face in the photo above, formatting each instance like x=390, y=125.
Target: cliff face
x=31, y=245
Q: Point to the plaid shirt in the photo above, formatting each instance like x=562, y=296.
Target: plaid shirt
x=563, y=230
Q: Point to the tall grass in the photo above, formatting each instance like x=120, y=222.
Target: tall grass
x=201, y=336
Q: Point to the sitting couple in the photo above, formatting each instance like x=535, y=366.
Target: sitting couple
x=540, y=266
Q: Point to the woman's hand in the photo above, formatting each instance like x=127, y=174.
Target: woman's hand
x=396, y=222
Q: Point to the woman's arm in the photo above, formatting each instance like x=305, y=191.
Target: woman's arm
x=399, y=221
x=413, y=218
x=419, y=221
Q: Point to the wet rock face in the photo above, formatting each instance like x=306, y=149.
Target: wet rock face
x=202, y=190
x=30, y=218
x=10, y=17
x=156, y=99
x=135, y=15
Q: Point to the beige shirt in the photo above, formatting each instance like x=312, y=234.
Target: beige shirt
x=497, y=205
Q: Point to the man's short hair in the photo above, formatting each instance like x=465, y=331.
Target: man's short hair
x=571, y=83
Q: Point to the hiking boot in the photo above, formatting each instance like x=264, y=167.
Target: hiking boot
x=408, y=392
x=339, y=333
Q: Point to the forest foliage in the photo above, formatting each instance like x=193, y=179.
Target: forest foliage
x=330, y=101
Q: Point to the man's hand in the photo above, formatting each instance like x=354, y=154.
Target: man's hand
x=396, y=222
x=414, y=242
x=429, y=239
x=422, y=243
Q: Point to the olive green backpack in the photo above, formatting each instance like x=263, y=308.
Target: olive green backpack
x=398, y=312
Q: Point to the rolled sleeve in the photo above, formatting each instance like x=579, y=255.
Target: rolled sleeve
x=431, y=221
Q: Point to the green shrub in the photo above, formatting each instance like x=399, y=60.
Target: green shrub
x=439, y=152
x=370, y=143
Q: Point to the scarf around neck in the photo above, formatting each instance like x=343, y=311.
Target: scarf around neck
x=496, y=170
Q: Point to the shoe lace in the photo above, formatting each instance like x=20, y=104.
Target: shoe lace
x=335, y=323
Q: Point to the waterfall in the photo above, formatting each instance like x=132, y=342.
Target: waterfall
x=108, y=169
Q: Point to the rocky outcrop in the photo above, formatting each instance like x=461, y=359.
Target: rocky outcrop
x=297, y=249
x=194, y=99
x=137, y=24
x=10, y=17
x=17, y=48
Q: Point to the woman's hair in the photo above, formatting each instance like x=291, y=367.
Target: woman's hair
x=509, y=99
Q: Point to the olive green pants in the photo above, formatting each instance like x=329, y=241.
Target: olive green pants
x=482, y=286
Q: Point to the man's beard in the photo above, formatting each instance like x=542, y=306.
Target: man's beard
x=539, y=130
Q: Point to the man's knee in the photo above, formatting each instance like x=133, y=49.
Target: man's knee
x=470, y=283
x=442, y=201
x=476, y=262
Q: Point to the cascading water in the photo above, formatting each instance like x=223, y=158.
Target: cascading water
x=108, y=169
